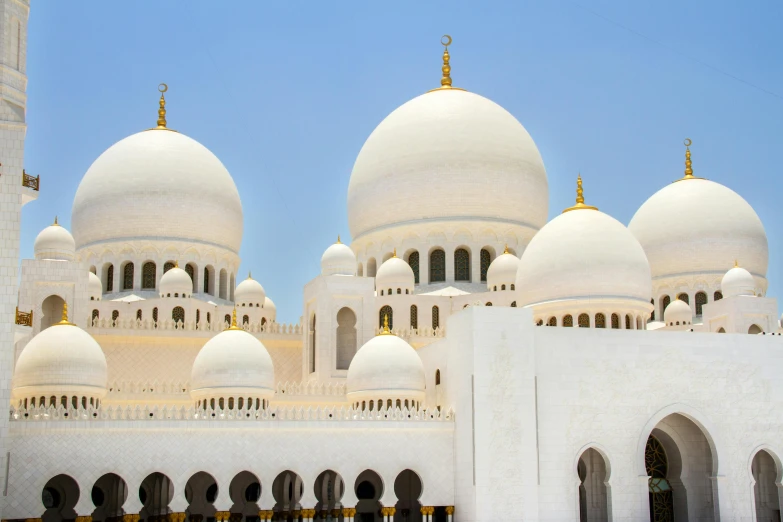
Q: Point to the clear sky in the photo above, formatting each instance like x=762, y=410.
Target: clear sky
x=285, y=93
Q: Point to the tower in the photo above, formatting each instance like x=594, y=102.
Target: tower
x=16, y=188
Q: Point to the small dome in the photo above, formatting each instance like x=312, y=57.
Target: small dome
x=176, y=282
x=54, y=242
x=269, y=304
x=249, y=293
x=386, y=367
x=678, y=313
x=232, y=364
x=395, y=274
x=338, y=259
x=94, y=287
x=737, y=281
x=502, y=271
x=61, y=360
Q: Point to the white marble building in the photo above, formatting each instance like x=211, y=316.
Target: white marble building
x=461, y=357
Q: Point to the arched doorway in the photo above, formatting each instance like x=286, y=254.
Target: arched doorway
x=346, y=337
x=593, y=494
x=679, y=461
x=369, y=489
x=108, y=495
x=51, y=311
x=329, y=488
x=245, y=490
x=155, y=494
x=59, y=496
x=287, y=489
x=766, y=490
x=407, y=489
x=755, y=329
x=201, y=490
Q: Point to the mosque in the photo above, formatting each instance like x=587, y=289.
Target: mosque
x=462, y=356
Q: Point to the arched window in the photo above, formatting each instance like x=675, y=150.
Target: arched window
x=502, y=287
x=223, y=289
x=568, y=320
x=615, y=321
x=227, y=319
x=386, y=311
x=437, y=266
x=684, y=298
x=584, y=321
x=437, y=377
x=178, y=314
x=552, y=321
x=540, y=322
x=513, y=286
x=245, y=319
x=168, y=265
x=148, y=275
x=381, y=293
x=360, y=271
x=115, y=314
x=665, y=300
x=414, y=317
x=155, y=314
x=701, y=300
x=638, y=323
x=489, y=303
x=138, y=314
x=312, y=345
x=413, y=261
x=486, y=260
x=461, y=265
x=209, y=318
x=191, y=271
x=389, y=292
x=198, y=316
x=435, y=317
x=263, y=321
x=371, y=267
x=206, y=280
x=95, y=315
x=127, y=276
x=627, y=322
x=600, y=321
x=652, y=315
x=717, y=296
x=346, y=337
x=514, y=304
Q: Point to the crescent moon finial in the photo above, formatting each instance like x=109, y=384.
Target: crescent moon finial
x=445, y=40
x=162, y=106
x=687, y=142
x=163, y=88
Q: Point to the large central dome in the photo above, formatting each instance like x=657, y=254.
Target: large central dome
x=158, y=185
x=447, y=155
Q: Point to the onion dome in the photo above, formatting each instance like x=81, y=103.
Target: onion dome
x=502, y=272
x=696, y=228
x=584, y=255
x=62, y=360
x=386, y=368
x=54, y=242
x=270, y=305
x=395, y=276
x=338, y=259
x=738, y=281
x=176, y=283
x=232, y=364
x=249, y=293
x=677, y=313
x=429, y=154
x=94, y=287
x=176, y=188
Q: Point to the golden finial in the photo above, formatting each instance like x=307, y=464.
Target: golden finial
x=162, y=88
x=505, y=250
x=233, y=320
x=445, y=81
x=249, y=274
x=56, y=224
x=338, y=239
x=580, y=198
x=394, y=253
x=688, y=168
x=736, y=264
x=385, y=330
x=64, y=320
x=176, y=263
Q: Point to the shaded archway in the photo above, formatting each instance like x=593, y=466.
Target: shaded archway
x=155, y=494
x=368, y=489
x=345, y=337
x=329, y=488
x=51, y=311
x=755, y=329
x=593, y=473
x=59, y=496
x=287, y=490
x=371, y=267
x=245, y=490
x=407, y=489
x=201, y=490
x=767, y=486
x=108, y=495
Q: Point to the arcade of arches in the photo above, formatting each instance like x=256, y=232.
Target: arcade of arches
x=156, y=492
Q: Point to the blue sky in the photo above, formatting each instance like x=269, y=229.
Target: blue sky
x=285, y=94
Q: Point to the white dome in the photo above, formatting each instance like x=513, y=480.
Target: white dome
x=395, y=274
x=386, y=367
x=338, y=259
x=269, y=304
x=583, y=254
x=249, y=293
x=502, y=271
x=176, y=281
x=61, y=360
x=54, y=242
x=698, y=227
x=678, y=313
x=232, y=364
x=94, y=287
x=737, y=281
x=160, y=185
x=447, y=155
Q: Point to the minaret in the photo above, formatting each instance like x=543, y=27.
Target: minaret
x=13, y=102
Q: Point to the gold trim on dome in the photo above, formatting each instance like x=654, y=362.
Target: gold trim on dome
x=580, y=198
x=64, y=320
x=688, y=163
x=445, y=81
x=233, y=321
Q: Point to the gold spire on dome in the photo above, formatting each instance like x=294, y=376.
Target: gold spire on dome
x=64, y=320
x=249, y=274
x=55, y=224
x=385, y=330
x=394, y=253
x=580, y=198
x=176, y=264
x=445, y=81
x=162, y=88
x=505, y=249
x=736, y=264
x=338, y=240
x=234, y=320
x=688, y=164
